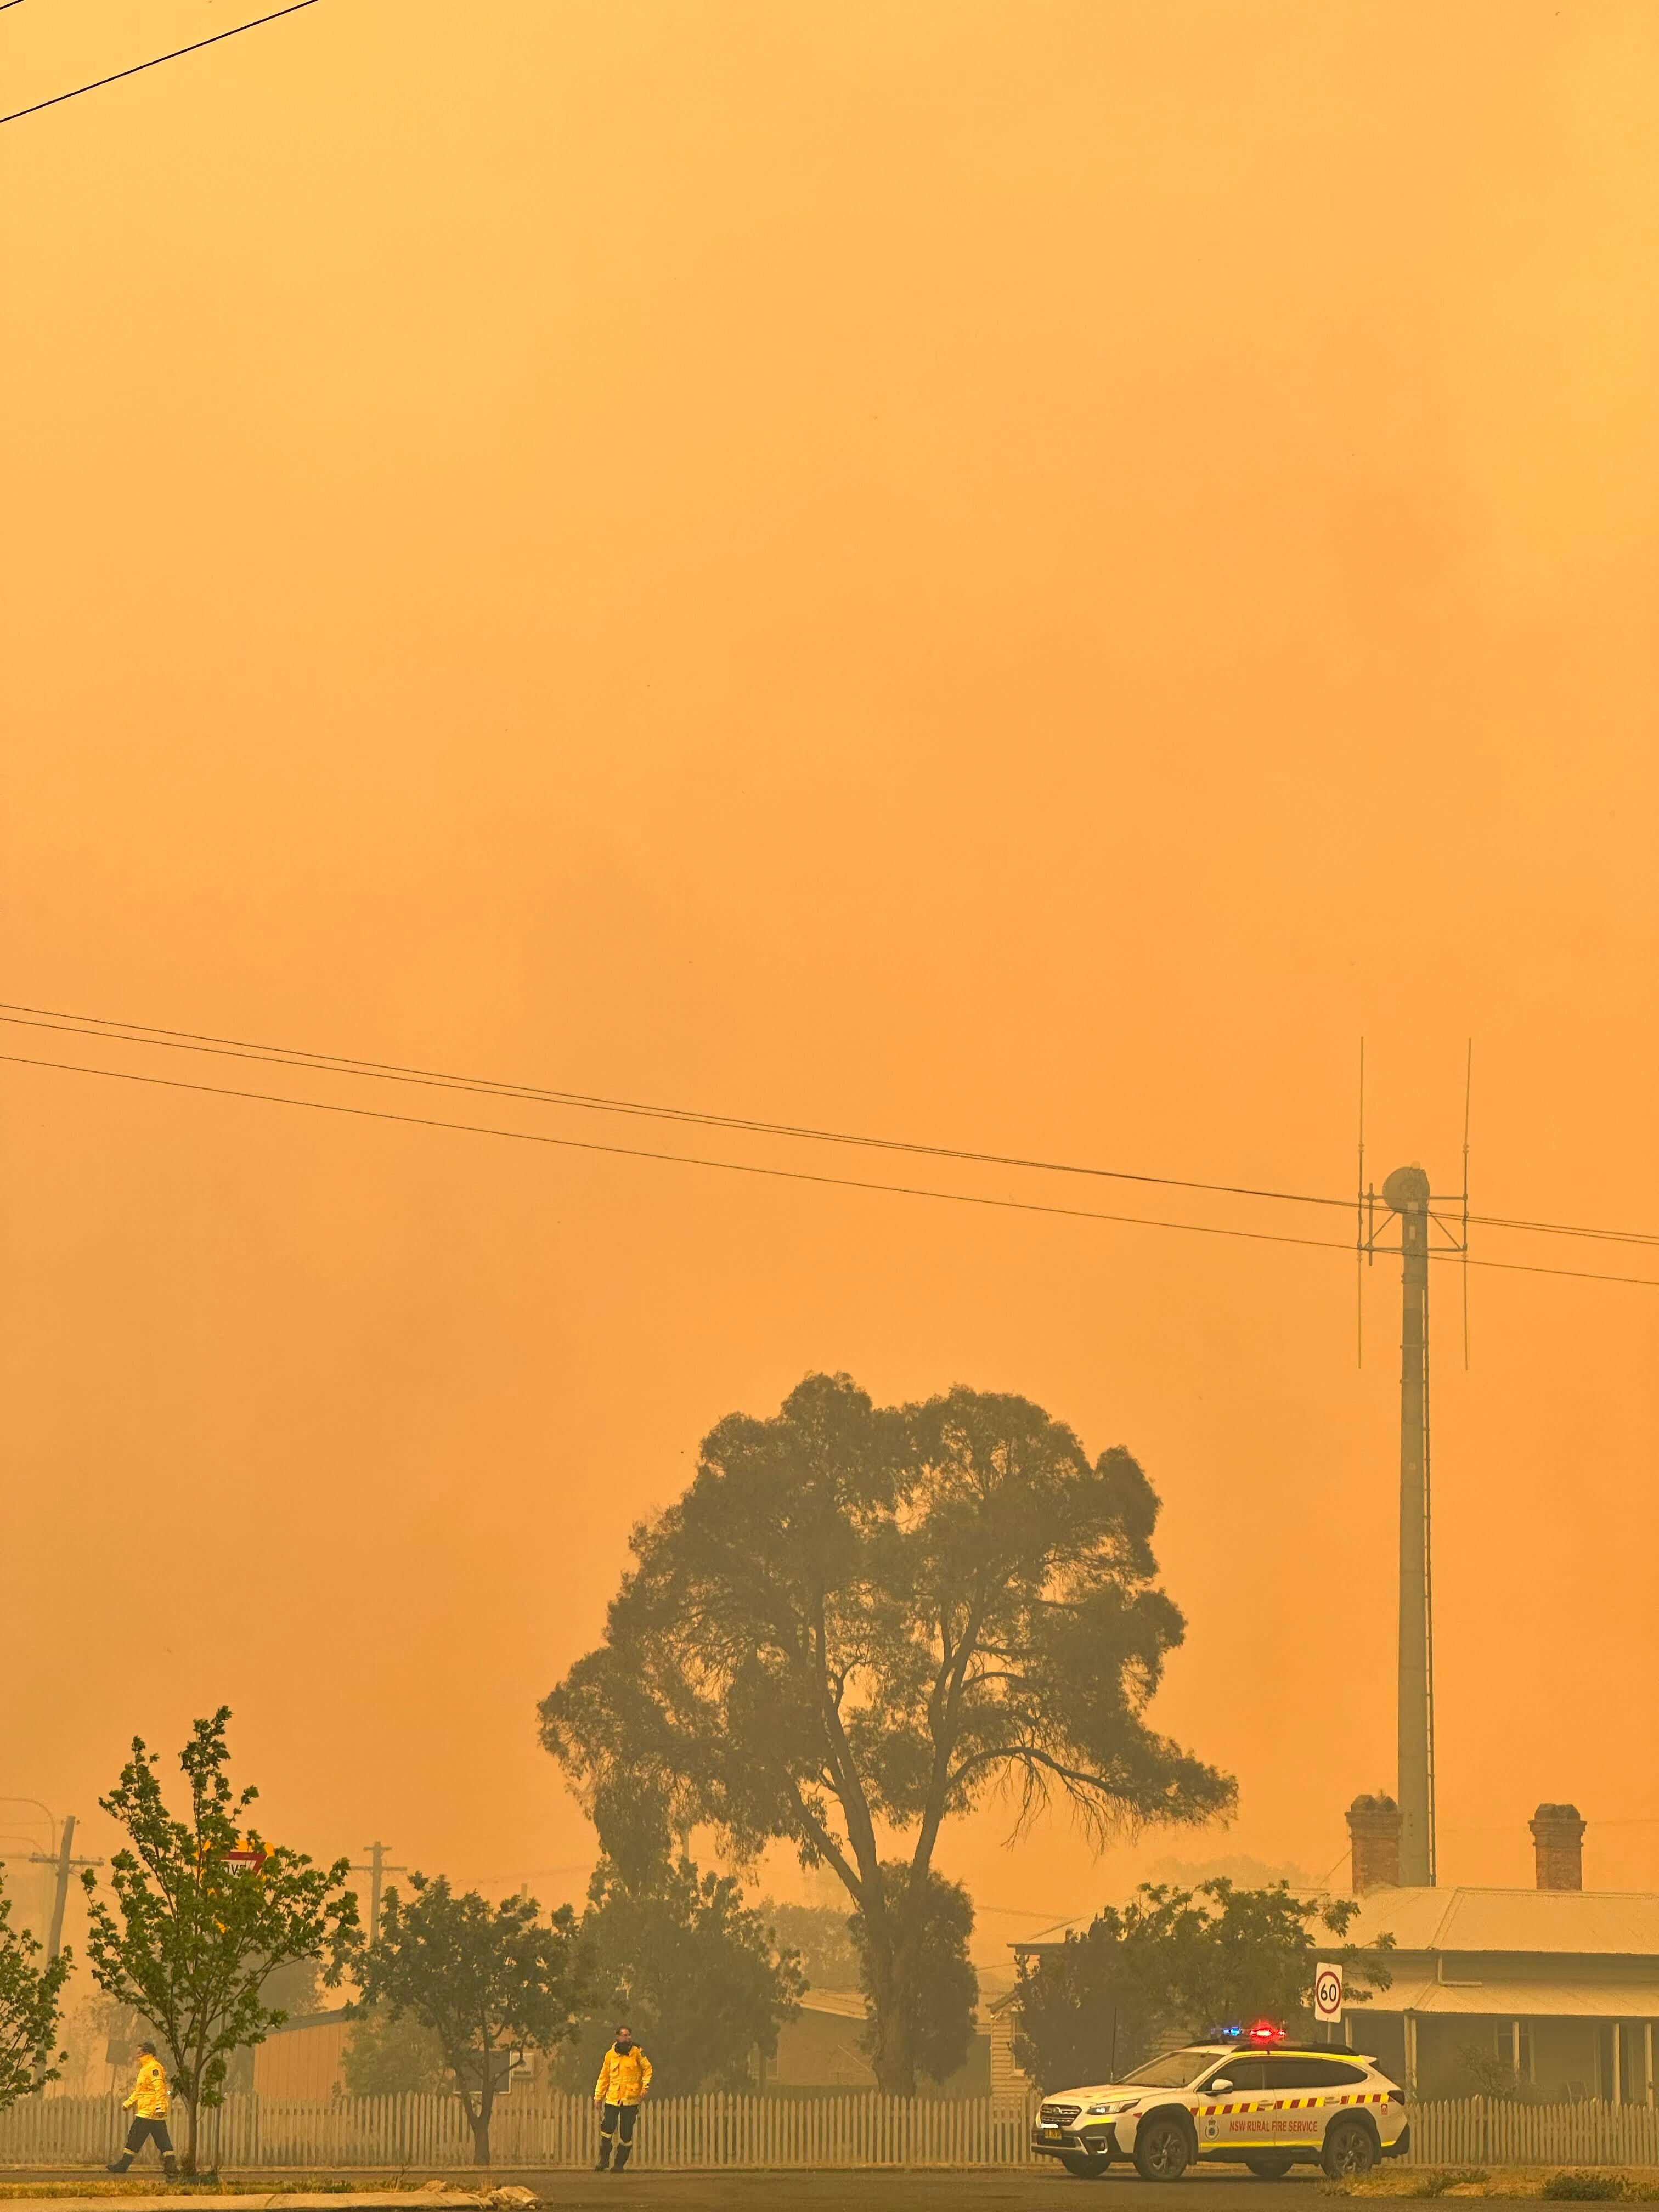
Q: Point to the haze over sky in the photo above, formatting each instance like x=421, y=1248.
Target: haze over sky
x=1017, y=576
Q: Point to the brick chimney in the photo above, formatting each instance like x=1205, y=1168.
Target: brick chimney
x=1558, y=1836
x=1374, y=1838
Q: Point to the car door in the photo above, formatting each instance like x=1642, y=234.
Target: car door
x=1306, y=2092
x=1227, y=2118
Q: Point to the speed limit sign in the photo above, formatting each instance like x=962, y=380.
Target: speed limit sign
x=1327, y=1992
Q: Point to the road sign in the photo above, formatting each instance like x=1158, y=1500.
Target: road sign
x=243, y=1859
x=1327, y=1992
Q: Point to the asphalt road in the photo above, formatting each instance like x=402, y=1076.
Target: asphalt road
x=1035, y=2189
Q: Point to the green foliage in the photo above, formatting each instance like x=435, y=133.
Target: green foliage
x=189, y=1944
x=388, y=2056
x=858, y=1617
x=483, y=1979
x=821, y=1936
x=940, y=1997
x=1577, y=2187
x=1172, y=1966
x=30, y=1996
x=1489, y=2075
x=696, y=1974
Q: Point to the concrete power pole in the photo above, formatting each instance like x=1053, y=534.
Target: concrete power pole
x=377, y=1869
x=63, y=1862
x=1406, y=1193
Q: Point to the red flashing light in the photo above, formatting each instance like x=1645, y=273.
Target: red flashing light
x=1265, y=2032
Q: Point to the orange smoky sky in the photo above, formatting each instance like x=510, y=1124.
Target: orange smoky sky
x=1014, y=575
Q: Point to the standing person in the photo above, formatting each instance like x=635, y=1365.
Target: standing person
x=624, y=2077
x=147, y=2101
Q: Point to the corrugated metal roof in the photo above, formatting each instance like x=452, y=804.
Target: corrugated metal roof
x=1506, y=2000
x=845, y=2004
x=1613, y=1923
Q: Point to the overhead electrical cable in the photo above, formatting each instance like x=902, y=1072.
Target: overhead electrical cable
x=776, y=1174
x=104, y=1027
x=334, y=1063
x=155, y=62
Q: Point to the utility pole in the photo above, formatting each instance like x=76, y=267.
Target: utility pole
x=1429, y=1229
x=1407, y=1191
x=65, y=1864
x=1406, y=1194
x=377, y=1869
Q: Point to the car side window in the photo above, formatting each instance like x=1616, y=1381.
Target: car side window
x=1292, y=2073
x=1245, y=2074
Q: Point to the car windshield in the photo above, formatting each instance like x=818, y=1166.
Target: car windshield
x=1178, y=2069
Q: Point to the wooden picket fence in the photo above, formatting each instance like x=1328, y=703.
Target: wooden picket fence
x=401, y=2134
x=1503, y=2131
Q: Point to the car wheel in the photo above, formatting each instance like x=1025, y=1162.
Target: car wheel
x=1161, y=2150
x=1079, y=2162
x=1270, y=2166
x=1349, y=2149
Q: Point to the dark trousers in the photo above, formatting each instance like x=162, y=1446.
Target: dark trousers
x=617, y=2121
x=144, y=2131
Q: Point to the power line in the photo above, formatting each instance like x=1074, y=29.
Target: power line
x=776, y=1174
x=493, y=1086
x=155, y=61
x=108, y=1027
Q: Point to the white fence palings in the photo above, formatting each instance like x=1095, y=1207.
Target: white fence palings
x=716, y=2131
x=722, y=2130
x=1503, y=2131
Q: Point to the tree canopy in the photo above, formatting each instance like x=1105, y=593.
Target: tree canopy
x=940, y=1997
x=30, y=1994
x=488, y=1980
x=1173, y=1966
x=858, y=1621
x=696, y=1974
x=191, y=1944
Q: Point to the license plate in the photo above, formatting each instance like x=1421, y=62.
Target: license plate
x=1054, y=2132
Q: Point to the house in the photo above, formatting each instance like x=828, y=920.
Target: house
x=819, y=2050
x=303, y=2061
x=1551, y=1992
x=1554, y=1990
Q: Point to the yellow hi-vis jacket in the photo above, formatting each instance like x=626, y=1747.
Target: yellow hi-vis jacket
x=148, y=2096
x=623, y=2080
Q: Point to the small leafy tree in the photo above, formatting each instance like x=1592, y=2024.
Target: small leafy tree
x=190, y=1943
x=859, y=1621
x=943, y=1994
x=1175, y=1964
x=486, y=1979
x=696, y=1974
x=30, y=1996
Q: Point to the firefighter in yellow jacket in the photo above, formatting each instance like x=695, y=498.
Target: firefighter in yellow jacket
x=147, y=2101
x=624, y=2078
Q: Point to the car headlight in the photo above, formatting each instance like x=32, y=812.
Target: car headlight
x=1105, y=2111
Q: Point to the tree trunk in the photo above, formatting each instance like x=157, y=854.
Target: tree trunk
x=893, y=2059
x=187, y=2156
x=480, y=2137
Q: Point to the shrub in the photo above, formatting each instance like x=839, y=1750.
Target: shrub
x=1574, y=2186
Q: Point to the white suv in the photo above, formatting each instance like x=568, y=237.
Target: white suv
x=1256, y=2103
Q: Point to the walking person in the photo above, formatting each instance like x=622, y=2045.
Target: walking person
x=624, y=2078
x=147, y=2101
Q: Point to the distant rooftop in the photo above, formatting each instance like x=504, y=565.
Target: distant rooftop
x=1623, y=1923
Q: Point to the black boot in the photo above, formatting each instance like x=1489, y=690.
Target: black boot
x=624, y=2152
x=169, y=2166
x=119, y=2164
x=602, y=2162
